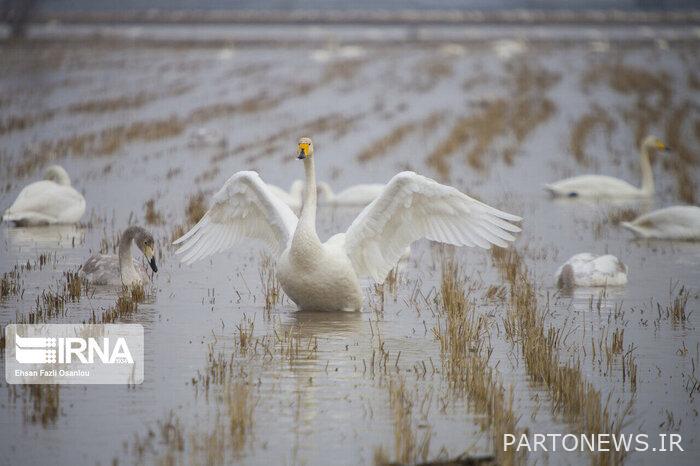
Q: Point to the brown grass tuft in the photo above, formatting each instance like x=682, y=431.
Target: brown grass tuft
x=584, y=127
x=380, y=147
x=10, y=284
x=152, y=216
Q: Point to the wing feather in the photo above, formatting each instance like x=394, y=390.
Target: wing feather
x=413, y=207
x=244, y=207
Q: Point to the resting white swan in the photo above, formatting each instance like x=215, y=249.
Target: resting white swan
x=122, y=269
x=49, y=201
x=600, y=186
x=324, y=276
x=358, y=195
x=677, y=222
x=291, y=198
x=585, y=269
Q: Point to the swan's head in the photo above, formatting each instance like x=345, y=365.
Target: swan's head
x=305, y=148
x=57, y=174
x=655, y=144
x=144, y=241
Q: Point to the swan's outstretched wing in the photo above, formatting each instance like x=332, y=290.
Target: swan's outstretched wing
x=413, y=207
x=243, y=208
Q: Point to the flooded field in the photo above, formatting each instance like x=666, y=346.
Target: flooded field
x=457, y=347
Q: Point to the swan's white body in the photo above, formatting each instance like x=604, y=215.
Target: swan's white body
x=325, y=276
x=122, y=269
x=50, y=201
x=586, y=269
x=600, y=186
x=355, y=196
x=291, y=198
x=676, y=222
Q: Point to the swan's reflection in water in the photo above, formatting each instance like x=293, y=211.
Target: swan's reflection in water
x=339, y=340
x=330, y=325
x=49, y=236
x=585, y=299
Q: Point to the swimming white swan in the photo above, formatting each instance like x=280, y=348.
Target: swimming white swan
x=358, y=195
x=123, y=269
x=355, y=196
x=324, y=276
x=600, y=186
x=676, y=222
x=49, y=201
x=585, y=269
x=291, y=198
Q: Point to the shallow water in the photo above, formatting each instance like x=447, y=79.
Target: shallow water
x=331, y=404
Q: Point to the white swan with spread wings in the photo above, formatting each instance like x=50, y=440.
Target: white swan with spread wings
x=325, y=276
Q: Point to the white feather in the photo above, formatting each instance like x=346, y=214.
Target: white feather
x=244, y=207
x=412, y=207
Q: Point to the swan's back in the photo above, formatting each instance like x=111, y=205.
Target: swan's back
x=103, y=269
x=359, y=195
x=45, y=202
x=592, y=186
x=586, y=269
x=676, y=222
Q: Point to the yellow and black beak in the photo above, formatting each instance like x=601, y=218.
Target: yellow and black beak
x=303, y=151
x=148, y=252
x=662, y=147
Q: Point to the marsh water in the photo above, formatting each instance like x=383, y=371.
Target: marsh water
x=134, y=119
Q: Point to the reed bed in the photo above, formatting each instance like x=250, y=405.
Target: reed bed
x=575, y=398
x=465, y=359
x=584, y=128
x=41, y=403
x=499, y=126
x=10, y=283
x=382, y=146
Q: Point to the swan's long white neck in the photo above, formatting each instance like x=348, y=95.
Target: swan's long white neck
x=57, y=175
x=647, y=172
x=127, y=271
x=305, y=243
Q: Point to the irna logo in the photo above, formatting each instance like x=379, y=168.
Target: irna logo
x=68, y=350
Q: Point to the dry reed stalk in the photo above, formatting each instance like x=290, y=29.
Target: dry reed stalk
x=684, y=160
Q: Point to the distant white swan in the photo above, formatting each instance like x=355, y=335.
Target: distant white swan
x=122, y=269
x=677, y=222
x=324, y=276
x=355, y=196
x=600, y=186
x=291, y=198
x=586, y=269
x=358, y=195
x=49, y=201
